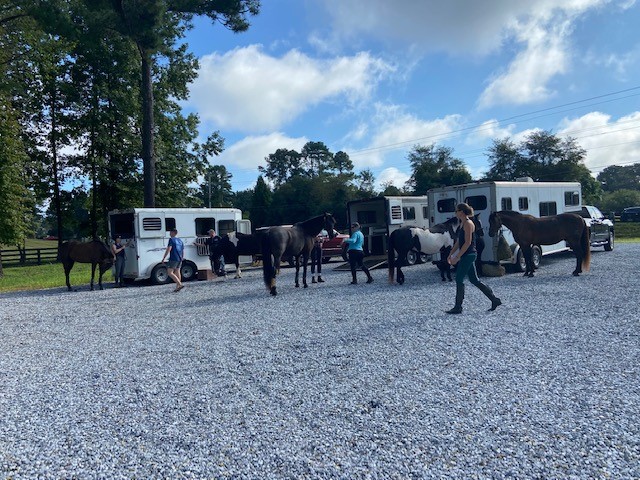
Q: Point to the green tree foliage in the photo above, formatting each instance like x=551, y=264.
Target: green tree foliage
x=620, y=177
x=215, y=191
x=316, y=159
x=545, y=158
x=618, y=200
x=281, y=166
x=434, y=166
x=260, y=204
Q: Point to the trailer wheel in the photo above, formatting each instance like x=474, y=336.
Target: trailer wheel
x=422, y=258
x=159, y=275
x=188, y=271
x=412, y=257
x=521, y=264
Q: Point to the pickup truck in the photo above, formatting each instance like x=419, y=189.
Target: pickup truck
x=601, y=228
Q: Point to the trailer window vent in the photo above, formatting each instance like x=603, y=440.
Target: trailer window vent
x=396, y=212
x=151, y=223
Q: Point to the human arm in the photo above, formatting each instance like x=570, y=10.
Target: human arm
x=168, y=250
x=468, y=235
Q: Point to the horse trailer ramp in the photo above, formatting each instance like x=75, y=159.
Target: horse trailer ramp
x=372, y=262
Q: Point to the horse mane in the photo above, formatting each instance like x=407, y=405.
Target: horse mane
x=310, y=226
x=104, y=247
x=443, y=227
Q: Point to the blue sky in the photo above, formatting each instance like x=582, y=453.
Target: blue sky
x=374, y=78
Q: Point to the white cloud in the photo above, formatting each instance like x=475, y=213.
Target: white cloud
x=250, y=152
x=488, y=131
x=249, y=90
x=392, y=175
x=394, y=129
x=607, y=142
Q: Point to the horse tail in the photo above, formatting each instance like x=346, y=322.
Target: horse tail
x=391, y=256
x=586, y=248
x=267, y=261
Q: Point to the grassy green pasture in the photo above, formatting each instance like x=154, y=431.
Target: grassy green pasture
x=628, y=232
x=51, y=275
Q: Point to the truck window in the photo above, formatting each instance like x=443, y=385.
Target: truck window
x=447, y=205
x=477, y=202
x=226, y=226
x=505, y=204
x=203, y=225
x=169, y=224
x=548, y=208
x=523, y=203
x=366, y=216
x=571, y=199
x=409, y=213
x=151, y=223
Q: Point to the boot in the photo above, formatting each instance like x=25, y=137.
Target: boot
x=313, y=279
x=369, y=277
x=457, y=308
x=320, y=280
x=355, y=280
x=495, y=301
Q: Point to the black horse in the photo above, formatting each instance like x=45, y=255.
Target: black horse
x=295, y=241
x=234, y=244
x=479, y=242
x=528, y=231
x=95, y=252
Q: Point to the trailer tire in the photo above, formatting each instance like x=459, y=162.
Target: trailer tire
x=422, y=258
x=610, y=242
x=536, y=254
x=188, y=271
x=412, y=257
x=159, y=275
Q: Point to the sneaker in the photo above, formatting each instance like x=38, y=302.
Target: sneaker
x=355, y=282
x=178, y=288
x=313, y=280
x=320, y=280
x=454, y=310
x=370, y=280
x=495, y=303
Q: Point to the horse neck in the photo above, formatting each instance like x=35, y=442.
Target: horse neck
x=509, y=219
x=313, y=226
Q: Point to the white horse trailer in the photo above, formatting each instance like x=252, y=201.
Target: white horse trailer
x=380, y=216
x=145, y=231
x=525, y=196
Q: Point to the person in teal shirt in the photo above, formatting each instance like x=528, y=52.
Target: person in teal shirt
x=356, y=253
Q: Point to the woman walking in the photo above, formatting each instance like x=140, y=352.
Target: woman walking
x=464, y=254
x=356, y=253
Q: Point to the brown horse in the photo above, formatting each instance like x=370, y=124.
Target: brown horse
x=528, y=230
x=94, y=252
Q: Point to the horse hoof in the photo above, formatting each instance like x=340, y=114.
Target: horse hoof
x=297, y=286
x=273, y=291
x=306, y=286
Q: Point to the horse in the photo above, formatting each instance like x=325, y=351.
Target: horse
x=95, y=252
x=428, y=241
x=234, y=244
x=528, y=230
x=442, y=264
x=296, y=241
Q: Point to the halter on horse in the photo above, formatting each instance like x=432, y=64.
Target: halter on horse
x=528, y=230
x=293, y=241
x=422, y=241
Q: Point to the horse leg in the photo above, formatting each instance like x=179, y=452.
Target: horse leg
x=305, y=259
x=67, y=270
x=399, y=274
x=238, y=272
x=93, y=274
x=577, y=250
x=528, y=260
x=297, y=271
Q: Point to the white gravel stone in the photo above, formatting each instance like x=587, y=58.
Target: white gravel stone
x=334, y=381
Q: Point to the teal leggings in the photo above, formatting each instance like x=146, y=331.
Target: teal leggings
x=467, y=265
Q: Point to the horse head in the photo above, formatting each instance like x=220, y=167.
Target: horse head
x=478, y=225
x=495, y=222
x=330, y=224
x=452, y=226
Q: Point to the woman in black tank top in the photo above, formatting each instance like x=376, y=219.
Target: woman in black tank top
x=464, y=255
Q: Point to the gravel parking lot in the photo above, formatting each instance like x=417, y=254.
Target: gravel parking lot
x=334, y=381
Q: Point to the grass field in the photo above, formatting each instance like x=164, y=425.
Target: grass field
x=46, y=276
x=32, y=243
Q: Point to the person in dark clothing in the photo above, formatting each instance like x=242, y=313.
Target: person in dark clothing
x=464, y=254
x=215, y=256
x=118, y=250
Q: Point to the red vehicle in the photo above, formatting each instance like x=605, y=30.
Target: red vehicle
x=333, y=247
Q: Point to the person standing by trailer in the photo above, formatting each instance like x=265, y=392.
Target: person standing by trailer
x=316, y=256
x=118, y=250
x=215, y=256
x=175, y=250
x=356, y=253
x=464, y=254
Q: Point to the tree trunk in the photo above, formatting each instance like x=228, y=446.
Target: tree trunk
x=94, y=172
x=148, y=156
x=53, y=139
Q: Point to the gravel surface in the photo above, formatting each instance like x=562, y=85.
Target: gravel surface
x=334, y=381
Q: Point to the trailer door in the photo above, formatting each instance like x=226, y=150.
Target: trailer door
x=151, y=225
x=395, y=211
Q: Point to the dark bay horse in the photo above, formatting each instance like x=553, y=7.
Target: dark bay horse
x=428, y=241
x=295, y=241
x=528, y=230
x=234, y=244
x=95, y=252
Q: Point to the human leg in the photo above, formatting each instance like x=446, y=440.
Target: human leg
x=353, y=261
x=473, y=278
x=465, y=263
